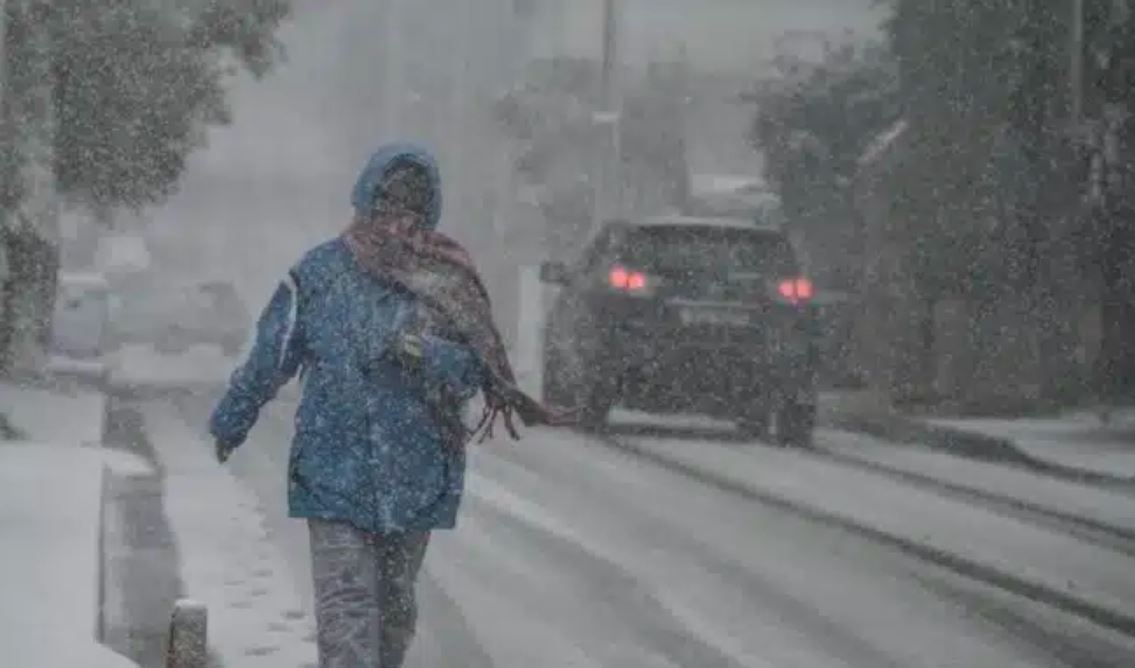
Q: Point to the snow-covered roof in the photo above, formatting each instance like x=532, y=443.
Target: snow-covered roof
x=85, y=280
x=123, y=253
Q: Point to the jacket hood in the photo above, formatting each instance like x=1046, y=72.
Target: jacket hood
x=381, y=163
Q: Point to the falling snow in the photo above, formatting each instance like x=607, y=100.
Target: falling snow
x=816, y=319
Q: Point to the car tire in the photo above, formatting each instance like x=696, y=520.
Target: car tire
x=554, y=391
x=754, y=425
x=597, y=395
x=596, y=408
x=794, y=425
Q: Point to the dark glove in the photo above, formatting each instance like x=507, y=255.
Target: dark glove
x=224, y=451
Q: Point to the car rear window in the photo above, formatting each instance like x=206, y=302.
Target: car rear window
x=673, y=249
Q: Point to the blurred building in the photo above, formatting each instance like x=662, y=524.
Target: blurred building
x=726, y=45
x=720, y=36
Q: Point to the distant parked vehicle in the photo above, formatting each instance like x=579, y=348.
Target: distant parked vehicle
x=79, y=323
x=174, y=320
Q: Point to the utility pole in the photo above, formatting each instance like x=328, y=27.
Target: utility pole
x=610, y=31
x=606, y=121
x=3, y=53
x=1085, y=133
x=1076, y=64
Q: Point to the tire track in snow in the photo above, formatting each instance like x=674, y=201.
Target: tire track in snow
x=616, y=596
x=1086, y=529
x=1109, y=617
x=786, y=619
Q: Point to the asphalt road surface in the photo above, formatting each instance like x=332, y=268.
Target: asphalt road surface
x=628, y=550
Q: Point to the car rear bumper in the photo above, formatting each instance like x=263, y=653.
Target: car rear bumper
x=717, y=372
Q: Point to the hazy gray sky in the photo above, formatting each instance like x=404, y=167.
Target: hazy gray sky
x=277, y=179
x=718, y=35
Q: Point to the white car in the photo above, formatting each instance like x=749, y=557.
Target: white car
x=82, y=309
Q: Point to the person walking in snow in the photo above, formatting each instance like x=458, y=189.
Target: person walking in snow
x=390, y=329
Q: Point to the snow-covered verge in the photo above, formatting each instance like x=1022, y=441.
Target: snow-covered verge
x=1076, y=440
x=1077, y=445
x=1090, y=503
x=67, y=416
x=229, y=562
x=49, y=561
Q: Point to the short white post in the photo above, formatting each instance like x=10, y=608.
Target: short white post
x=188, y=644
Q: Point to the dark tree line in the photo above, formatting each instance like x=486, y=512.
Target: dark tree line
x=109, y=98
x=1018, y=157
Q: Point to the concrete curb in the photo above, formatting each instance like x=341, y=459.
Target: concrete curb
x=187, y=646
x=139, y=562
x=901, y=429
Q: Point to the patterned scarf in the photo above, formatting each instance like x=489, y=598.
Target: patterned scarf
x=440, y=273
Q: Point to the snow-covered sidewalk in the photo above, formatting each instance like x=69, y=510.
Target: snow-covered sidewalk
x=1092, y=503
x=1076, y=440
x=53, y=415
x=49, y=561
x=1076, y=445
x=50, y=493
x=229, y=562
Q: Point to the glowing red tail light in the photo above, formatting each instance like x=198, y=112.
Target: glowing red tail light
x=796, y=290
x=621, y=278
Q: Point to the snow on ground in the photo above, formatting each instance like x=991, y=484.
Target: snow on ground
x=622, y=417
x=1055, y=560
x=571, y=554
x=1078, y=440
x=579, y=542
x=229, y=562
x=49, y=536
x=1071, y=498
x=72, y=416
x=568, y=553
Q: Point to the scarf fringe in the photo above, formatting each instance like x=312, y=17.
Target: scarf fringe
x=486, y=426
x=400, y=256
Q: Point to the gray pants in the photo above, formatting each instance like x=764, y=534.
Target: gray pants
x=364, y=594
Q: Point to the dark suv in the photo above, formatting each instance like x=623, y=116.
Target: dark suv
x=682, y=314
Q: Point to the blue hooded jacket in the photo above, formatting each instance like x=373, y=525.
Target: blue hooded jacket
x=368, y=450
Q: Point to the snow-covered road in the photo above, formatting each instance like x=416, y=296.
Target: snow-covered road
x=574, y=551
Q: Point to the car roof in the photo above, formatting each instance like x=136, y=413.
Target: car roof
x=86, y=280
x=719, y=222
